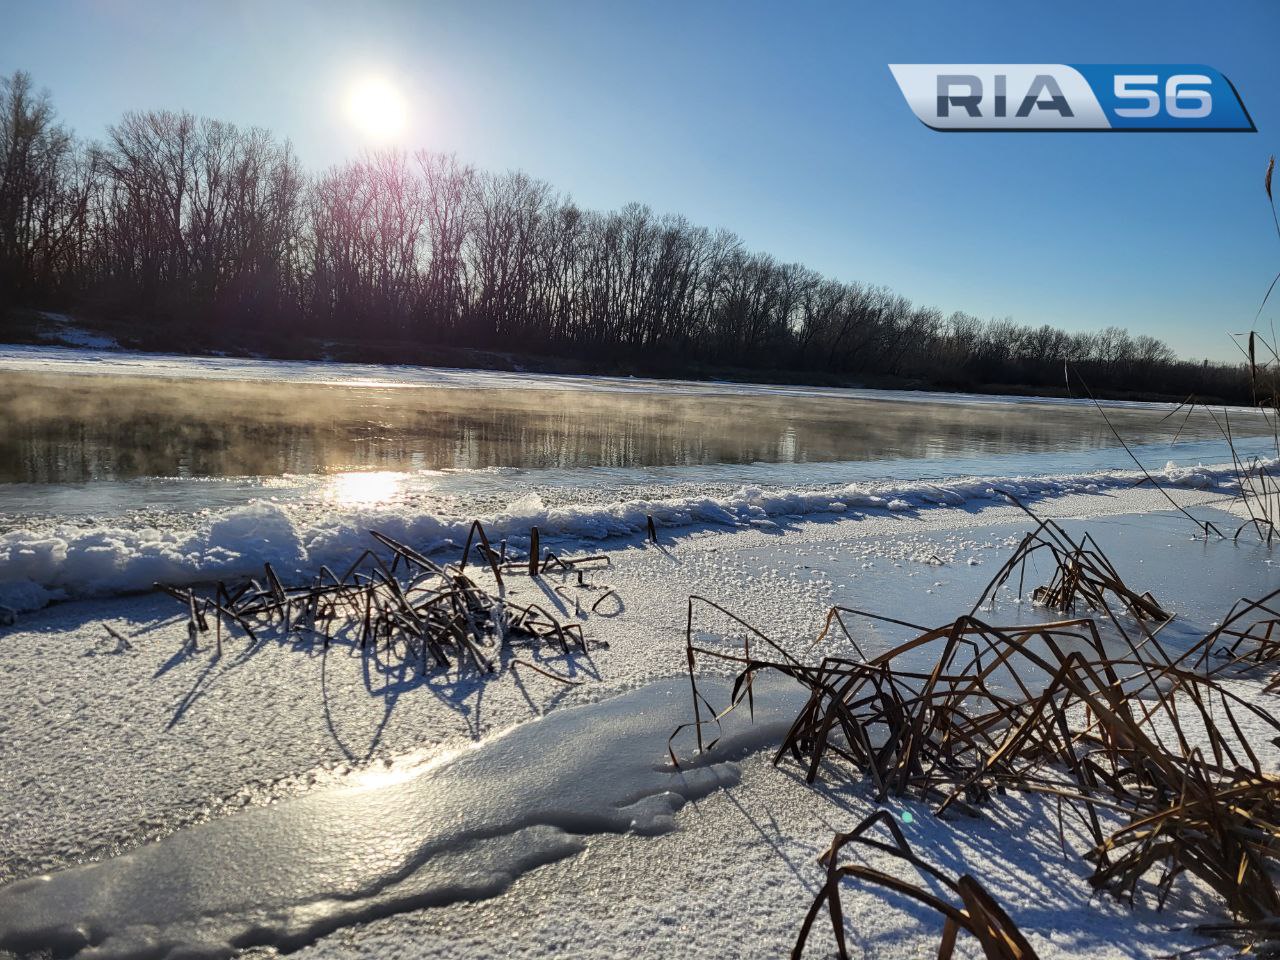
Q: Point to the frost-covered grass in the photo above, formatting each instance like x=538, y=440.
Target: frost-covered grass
x=113, y=749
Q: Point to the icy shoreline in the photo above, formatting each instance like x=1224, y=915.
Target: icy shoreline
x=74, y=560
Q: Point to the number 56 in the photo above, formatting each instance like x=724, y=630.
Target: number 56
x=1131, y=87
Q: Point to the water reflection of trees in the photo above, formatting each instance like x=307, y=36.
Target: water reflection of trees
x=62, y=428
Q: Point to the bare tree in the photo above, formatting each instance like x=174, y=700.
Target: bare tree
x=179, y=218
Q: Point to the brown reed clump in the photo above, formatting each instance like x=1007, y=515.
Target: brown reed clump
x=1083, y=577
x=1092, y=712
x=405, y=604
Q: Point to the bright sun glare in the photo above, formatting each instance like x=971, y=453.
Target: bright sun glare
x=364, y=489
x=377, y=109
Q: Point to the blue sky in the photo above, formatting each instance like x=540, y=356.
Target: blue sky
x=778, y=121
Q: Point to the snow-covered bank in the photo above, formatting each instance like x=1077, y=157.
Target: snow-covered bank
x=74, y=560
x=100, y=362
x=112, y=750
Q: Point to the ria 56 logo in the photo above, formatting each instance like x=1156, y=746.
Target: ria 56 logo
x=1060, y=96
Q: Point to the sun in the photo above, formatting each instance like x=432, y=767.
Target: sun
x=377, y=109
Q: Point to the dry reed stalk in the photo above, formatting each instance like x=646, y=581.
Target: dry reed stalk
x=978, y=913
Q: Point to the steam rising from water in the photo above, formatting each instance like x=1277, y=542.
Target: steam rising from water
x=65, y=428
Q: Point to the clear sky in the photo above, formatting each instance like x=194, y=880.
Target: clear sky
x=779, y=121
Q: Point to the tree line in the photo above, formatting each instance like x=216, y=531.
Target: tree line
x=175, y=217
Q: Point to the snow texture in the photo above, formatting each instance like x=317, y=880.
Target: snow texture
x=460, y=828
x=170, y=738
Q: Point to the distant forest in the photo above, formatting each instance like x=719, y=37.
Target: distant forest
x=184, y=222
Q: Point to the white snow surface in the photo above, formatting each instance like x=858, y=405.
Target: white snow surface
x=107, y=751
x=97, y=559
x=459, y=828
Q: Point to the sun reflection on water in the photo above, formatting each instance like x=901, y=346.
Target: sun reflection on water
x=364, y=488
